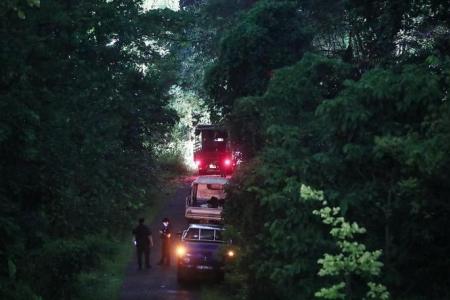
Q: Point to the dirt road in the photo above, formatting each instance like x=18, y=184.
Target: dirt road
x=160, y=282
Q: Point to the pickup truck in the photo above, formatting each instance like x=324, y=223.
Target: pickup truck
x=206, y=199
x=202, y=251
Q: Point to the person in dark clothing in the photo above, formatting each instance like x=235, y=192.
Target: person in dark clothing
x=213, y=202
x=143, y=240
x=165, y=234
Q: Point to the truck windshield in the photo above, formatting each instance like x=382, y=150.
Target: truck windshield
x=195, y=234
x=210, y=195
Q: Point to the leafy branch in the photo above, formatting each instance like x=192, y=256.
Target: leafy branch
x=353, y=259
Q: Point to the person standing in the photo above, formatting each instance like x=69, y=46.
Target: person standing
x=143, y=240
x=165, y=234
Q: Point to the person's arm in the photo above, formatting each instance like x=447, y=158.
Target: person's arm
x=150, y=238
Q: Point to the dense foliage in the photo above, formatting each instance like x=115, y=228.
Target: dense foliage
x=363, y=117
x=83, y=89
x=339, y=107
x=269, y=36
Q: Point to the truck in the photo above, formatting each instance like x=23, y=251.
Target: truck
x=202, y=251
x=212, y=151
x=206, y=199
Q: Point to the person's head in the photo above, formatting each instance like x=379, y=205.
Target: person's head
x=166, y=221
x=141, y=220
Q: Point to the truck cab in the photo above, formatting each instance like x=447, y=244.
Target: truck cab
x=206, y=199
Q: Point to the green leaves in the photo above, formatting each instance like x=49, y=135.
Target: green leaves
x=352, y=258
x=307, y=193
x=377, y=291
x=333, y=292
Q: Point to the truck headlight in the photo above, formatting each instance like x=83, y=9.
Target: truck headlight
x=181, y=251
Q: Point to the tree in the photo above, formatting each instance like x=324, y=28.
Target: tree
x=84, y=93
x=375, y=145
x=353, y=260
x=268, y=36
x=282, y=239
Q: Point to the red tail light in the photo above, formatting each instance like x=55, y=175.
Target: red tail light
x=227, y=162
x=198, y=162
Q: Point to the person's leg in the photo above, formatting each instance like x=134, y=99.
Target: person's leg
x=147, y=257
x=164, y=252
x=161, y=261
x=168, y=253
x=139, y=257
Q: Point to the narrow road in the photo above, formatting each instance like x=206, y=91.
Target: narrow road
x=160, y=282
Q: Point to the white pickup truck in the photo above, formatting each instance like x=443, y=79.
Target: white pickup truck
x=206, y=199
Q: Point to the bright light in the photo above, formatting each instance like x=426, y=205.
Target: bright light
x=198, y=162
x=161, y=4
x=230, y=253
x=227, y=162
x=181, y=251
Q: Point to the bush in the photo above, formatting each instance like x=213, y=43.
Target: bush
x=174, y=163
x=60, y=261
